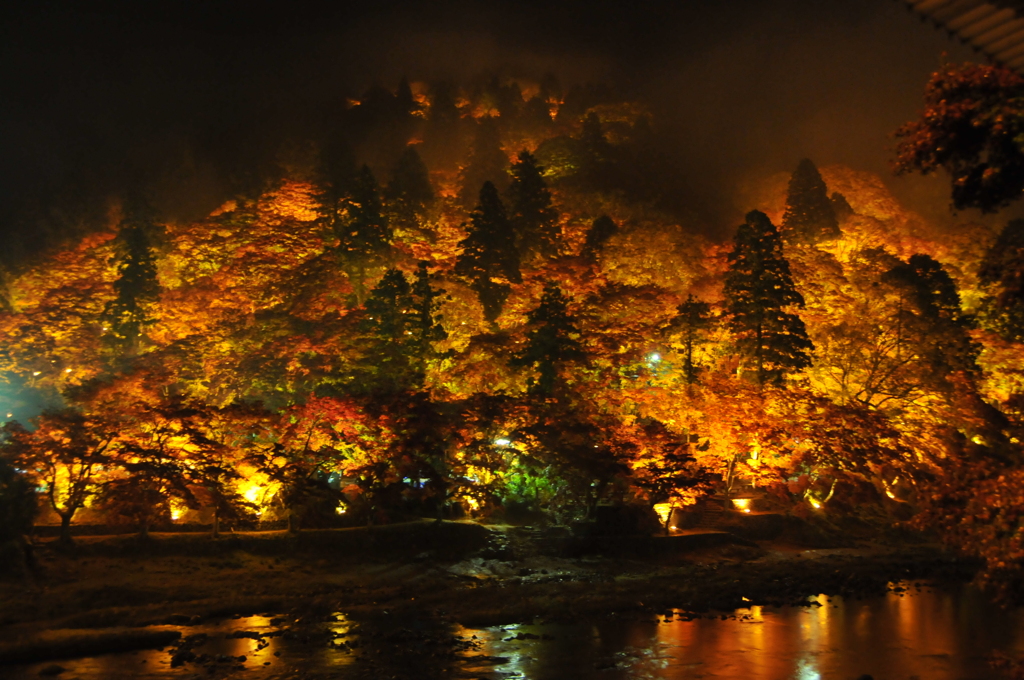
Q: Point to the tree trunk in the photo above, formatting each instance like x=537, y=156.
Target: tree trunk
x=65, y=527
x=216, y=523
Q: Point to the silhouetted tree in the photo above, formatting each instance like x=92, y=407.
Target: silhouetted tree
x=810, y=216
x=551, y=342
x=933, y=315
x=530, y=211
x=971, y=127
x=598, y=234
x=758, y=289
x=489, y=260
x=136, y=289
x=692, y=321
x=1002, y=270
x=409, y=192
x=364, y=235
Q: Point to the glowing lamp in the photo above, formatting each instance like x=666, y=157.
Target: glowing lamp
x=341, y=510
x=502, y=442
x=654, y=357
x=814, y=503
x=741, y=504
x=663, y=510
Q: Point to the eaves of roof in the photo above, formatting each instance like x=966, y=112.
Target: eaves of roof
x=993, y=27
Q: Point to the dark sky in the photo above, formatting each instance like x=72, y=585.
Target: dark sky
x=97, y=95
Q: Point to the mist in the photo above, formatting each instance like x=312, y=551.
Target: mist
x=106, y=97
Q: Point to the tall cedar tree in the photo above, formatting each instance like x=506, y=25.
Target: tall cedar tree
x=552, y=341
x=598, y=234
x=758, y=288
x=810, y=216
x=402, y=324
x=136, y=289
x=534, y=219
x=933, y=310
x=387, y=365
x=692, y=321
x=489, y=260
x=364, y=236
x=409, y=193
x=427, y=327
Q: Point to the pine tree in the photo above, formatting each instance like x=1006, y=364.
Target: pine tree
x=810, y=216
x=598, y=234
x=932, y=314
x=387, y=365
x=136, y=289
x=364, y=235
x=552, y=341
x=758, y=289
x=530, y=211
x=489, y=261
x=409, y=192
x=693, y=319
x=426, y=322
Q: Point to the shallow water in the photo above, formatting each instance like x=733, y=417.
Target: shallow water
x=921, y=633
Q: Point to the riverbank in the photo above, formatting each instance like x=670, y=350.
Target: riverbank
x=456, y=573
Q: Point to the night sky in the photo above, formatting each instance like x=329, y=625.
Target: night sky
x=101, y=96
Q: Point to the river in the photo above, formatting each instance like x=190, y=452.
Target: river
x=912, y=632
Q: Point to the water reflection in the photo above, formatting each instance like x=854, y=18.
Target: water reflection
x=939, y=635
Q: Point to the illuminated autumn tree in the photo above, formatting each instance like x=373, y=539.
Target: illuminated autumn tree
x=600, y=231
x=551, y=343
x=66, y=453
x=758, y=291
x=971, y=127
x=665, y=469
x=810, y=216
x=489, y=261
x=313, y=440
x=165, y=454
x=534, y=219
x=364, y=234
x=136, y=289
x=692, y=322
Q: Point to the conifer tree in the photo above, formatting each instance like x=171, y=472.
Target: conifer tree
x=489, y=261
x=426, y=322
x=810, y=216
x=364, y=235
x=552, y=341
x=409, y=192
x=387, y=363
x=692, y=320
x=136, y=289
x=530, y=211
x=758, y=289
x=931, y=313
x=598, y=234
